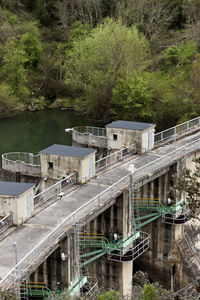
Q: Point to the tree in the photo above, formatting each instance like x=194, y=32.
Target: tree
x=95, y=62
x=133, y=99
x=188, y=182
x=144, y=290
x=8, y=100
x=110, y=295
x=30, y=44
x=15, y=73
x=84, y=11
x=153, y=18
x=149, y=292
x=7, y=295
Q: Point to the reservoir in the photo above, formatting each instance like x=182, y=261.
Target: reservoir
x=34, y=131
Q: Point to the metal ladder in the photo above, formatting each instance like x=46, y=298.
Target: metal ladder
x=135, y=208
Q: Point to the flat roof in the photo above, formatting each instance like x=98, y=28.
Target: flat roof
x=14, y=188
x=67, y=151
x=130, y=125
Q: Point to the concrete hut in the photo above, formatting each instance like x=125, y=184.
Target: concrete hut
x=121, y=134
x=59, y=161
x=17, y=197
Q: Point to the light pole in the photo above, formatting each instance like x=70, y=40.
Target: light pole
x=98, y=181
x=174, y=137
x=16, y=262
x=60, y=196
x=153, y=130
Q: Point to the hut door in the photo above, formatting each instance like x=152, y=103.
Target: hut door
x=28, y=205
x=150, y=139
x=91, y=167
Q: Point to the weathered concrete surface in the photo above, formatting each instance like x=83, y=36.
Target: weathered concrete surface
x=37, y=228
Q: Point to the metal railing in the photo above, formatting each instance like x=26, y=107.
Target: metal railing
x=92, y=289
x=6, y=222
x=94, y=136
x=142, y=244
x=160, y=136
x=175, y=219
x=98, y=131
x=114, y=157
x=25, y=163
x=47, y=243
x=54, y=190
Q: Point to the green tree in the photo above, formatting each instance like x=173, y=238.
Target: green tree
x=15, y=73
x=96, y=61
x=144, y=290
x=188, y=182
x=8, y=100
x=149, y=292
x=7, y=295
x=133, y=99
x=30, y=44
x=110, y=295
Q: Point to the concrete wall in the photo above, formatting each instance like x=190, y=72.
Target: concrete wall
x=120, y=138
x=17, y=205
x=19, y=177
x=57, y=167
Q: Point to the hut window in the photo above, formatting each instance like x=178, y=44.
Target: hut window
x=115, y=136
x=50, y=165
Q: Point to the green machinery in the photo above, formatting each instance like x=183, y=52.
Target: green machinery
x=145, y=210
x=150, y=210
x=171, y=214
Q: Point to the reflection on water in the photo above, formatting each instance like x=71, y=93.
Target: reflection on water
x=34, y=131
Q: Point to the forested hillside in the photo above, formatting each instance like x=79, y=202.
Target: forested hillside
x=112, y=59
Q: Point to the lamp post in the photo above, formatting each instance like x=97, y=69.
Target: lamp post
x=174, y=137
x=153, y=130
x=60, y=196
x=16, y=262
x=98, y=181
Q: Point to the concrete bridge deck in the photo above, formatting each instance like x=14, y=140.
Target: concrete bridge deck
x=28, y=235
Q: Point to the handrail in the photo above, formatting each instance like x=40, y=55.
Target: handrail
x=94, y=136
x=28, y=158
x=41, y=249
x=165, y=134
x=54, y=189
x=114, y=157
x=22, y=162
x=6, y=222
x=96, y=131
x=171, y=218
x=130, y=254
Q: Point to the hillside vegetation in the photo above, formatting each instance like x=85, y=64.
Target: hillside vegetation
x=122, y=59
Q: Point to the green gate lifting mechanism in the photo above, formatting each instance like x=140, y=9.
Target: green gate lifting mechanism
x=99, y=241
x=168, y=213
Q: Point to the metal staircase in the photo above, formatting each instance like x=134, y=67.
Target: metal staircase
x=35, y=290
x=147, y=205
x=83, y=284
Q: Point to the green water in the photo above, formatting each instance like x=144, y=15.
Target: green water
x=34, y=131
